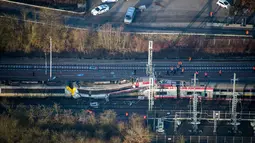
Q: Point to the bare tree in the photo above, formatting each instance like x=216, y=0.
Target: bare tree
x=180, y=139
x=137, y=132
x=115, y=140
x=107, y=117
x=9, y=129
x=9, y=33
x=86, y=118
x=53, y=28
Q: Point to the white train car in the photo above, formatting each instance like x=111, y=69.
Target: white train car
x=202, y=92
x=142, y=82
x=225, y=91
x=170, y=92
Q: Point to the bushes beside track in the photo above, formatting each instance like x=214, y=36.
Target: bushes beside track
x=53, y=124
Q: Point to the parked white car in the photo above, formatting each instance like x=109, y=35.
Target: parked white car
x=108, y=1
x=100, y=9
x=223, y=3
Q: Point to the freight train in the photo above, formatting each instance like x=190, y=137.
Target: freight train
x=182, y=89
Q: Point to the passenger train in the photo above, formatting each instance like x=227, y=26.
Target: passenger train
x=180, y=89
x=163, y=89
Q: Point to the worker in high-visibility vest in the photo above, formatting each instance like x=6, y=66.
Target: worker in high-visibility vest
x=253, y=68
x=180, y=64
x=220, y=72
x=211, y=14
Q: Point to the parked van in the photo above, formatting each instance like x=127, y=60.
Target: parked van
x=129, y=15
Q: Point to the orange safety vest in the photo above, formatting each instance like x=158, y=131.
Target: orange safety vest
x=220, y=72
x=211, y=14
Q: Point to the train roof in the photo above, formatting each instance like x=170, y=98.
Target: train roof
x=239, y=86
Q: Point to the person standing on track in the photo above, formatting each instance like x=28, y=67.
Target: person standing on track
x=172, y=69
x=206, y=74
x=180, y=64
x=197, y=73
x=190, y=59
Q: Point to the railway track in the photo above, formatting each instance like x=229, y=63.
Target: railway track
x=83, y=67
x=130, y=104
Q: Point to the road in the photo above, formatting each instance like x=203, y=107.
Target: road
x=99, y=70
x=165, y=16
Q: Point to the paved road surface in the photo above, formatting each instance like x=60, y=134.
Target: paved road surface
x=173, y=16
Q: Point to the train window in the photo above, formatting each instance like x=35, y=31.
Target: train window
x=189, y=93
x=216, y=90
x=223, y=96
x=161, y=93
x=199, y=93
x=224, y=90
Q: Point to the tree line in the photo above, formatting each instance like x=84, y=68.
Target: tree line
x=44, y=124
x=107, y=41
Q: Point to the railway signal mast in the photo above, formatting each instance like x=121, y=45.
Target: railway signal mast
x=194, y=119
x=234, y=104
x=150, y=73
x=50, y=57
